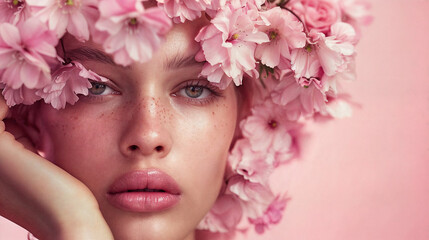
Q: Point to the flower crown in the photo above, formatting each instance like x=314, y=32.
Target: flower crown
x=296, y=53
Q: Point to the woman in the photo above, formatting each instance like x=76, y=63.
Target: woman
x=143, y=153
x=157, y=119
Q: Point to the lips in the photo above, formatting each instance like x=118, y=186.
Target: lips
x=148, y=190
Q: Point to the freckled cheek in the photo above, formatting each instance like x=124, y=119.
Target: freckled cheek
x=207, y=144
x=76, y=142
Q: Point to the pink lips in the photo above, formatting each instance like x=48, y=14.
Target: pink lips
x=147, y=190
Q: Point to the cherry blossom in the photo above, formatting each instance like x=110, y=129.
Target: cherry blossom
x=65, y=15
x=134, y=33
x=224, y=216
x=298, y=100
x=25, y=51
x=182, y=10
x=267, y=128
x=329, y=54
x=272, y=215
x=255, y=197
x=67, y=82
x=253, y=166
x=284, y=32
x=230, y=42
x=22, y=95
x=14, y=11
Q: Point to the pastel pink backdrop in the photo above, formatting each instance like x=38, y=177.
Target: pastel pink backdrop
x=364, y=178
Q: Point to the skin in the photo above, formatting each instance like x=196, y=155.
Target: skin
x=146, y=119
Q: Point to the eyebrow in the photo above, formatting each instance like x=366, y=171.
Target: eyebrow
x=86, y=53
x=181, y=61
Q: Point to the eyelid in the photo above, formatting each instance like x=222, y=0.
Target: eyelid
x=108, y=84
x=215, y=92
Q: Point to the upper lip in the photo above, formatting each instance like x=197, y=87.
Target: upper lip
x=145, y=180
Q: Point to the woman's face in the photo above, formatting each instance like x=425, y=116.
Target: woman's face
x=149, y=119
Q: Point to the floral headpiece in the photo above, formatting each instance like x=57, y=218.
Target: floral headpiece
x=296, y=53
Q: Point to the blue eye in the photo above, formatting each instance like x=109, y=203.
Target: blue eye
x=195, y=91
x=98, y=89
x=198, y=92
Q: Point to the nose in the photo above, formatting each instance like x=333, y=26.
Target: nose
x=146, y=132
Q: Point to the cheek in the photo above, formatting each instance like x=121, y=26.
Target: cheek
x=206, y=147
x=75, y=140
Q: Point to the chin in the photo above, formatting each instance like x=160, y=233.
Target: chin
x=149, y=226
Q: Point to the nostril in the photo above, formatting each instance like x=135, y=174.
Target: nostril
x=159, y=148
x=133, y=147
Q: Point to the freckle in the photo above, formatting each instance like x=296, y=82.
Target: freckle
x=213, y=113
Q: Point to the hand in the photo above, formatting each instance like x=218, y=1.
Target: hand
x=42, y=197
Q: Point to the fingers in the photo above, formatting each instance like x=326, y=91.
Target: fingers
x=4, y=110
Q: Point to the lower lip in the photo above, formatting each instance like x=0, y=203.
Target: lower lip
x=143, y=201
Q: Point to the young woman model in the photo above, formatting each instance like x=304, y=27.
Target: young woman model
x=147, y=151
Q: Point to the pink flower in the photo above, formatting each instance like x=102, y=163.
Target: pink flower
x=67, y=82
x=215, y=74
x=224, y=215
x=246, y=4
x=14, y=11
x=182, y=10
x=329, y=53
x=356, y=11
x=339, y=108
x=24, y=52
x=298, y=100
x=267, y=128
x=284, y=32
x=255, y=197
x=22, y=95
x=62, y=15
x=306, y=65
x=331, y=83
x=134, y=33
x=230, y=42
x=253, y=166
x=317, y=14
x=272, y=215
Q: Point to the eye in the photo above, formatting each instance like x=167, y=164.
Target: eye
x=195, y=91
x=198, y=92
x=99, y=89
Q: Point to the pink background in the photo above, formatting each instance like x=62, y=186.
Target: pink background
x=366, y=177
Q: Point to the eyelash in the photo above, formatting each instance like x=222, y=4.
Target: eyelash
x=94, y=97
x=214, y=92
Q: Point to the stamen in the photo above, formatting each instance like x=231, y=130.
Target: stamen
x=273, y=124
x=133, y=21
x=69, y=2
x=273, y=35
x=235, y=36
x=309, y=48
x=18, y=56
x=15, y=2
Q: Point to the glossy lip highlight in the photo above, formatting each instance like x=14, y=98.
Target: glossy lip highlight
x=148, y=190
